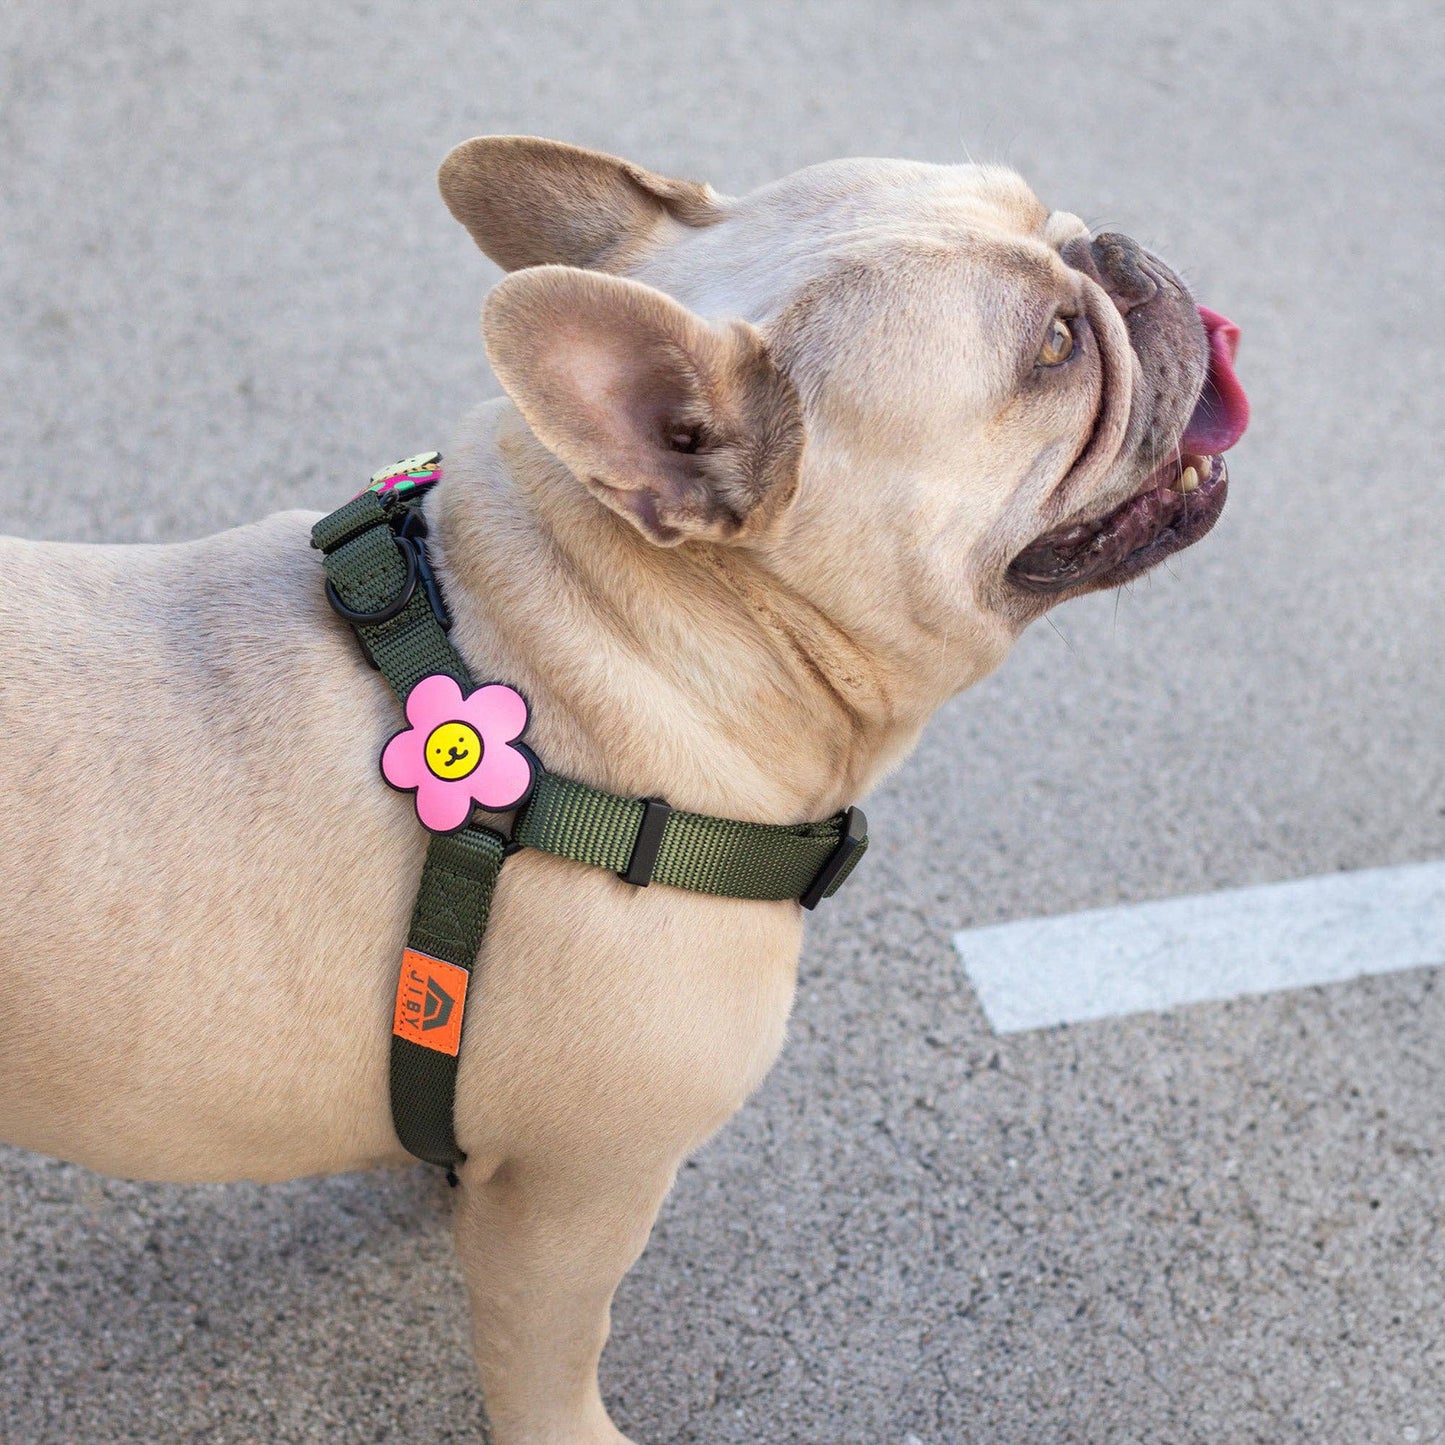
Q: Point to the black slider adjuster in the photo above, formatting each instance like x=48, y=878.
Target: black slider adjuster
x=855, y=836
x=655, y=814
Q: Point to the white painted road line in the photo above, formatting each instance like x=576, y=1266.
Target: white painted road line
x=1151, y=956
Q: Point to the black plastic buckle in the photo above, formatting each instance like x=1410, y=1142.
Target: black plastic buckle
x=655, y=814
x=855, y=835
x=414, y=530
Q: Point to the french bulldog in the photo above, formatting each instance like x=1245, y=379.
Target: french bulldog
x=773, y=477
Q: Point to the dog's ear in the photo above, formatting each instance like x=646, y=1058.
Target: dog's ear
x=530, y=202
x=688, y=430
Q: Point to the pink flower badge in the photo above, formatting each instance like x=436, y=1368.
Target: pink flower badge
x=459, y=751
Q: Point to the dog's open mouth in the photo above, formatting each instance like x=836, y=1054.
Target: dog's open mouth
x=1178, y=503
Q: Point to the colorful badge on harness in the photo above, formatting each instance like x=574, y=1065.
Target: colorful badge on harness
x=408, y=476
x=460, y=751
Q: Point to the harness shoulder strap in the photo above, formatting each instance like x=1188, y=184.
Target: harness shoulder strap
x=374, y=552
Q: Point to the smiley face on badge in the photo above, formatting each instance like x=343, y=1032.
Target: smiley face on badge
x=453, y=751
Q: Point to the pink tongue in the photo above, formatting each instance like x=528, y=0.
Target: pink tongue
x=1223, y=411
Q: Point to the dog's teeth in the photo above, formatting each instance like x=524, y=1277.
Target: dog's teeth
x=1188, y=479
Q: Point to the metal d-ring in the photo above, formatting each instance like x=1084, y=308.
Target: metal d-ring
x=392, y=608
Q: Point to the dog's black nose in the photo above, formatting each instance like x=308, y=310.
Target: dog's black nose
x=1125, y=270
x=1120, y=265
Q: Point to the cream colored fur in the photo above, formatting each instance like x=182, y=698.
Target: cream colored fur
x=207, y=886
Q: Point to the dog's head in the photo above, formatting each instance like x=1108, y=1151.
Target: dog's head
x=928, y=404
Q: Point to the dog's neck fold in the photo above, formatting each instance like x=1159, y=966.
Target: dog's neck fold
x=692, y=672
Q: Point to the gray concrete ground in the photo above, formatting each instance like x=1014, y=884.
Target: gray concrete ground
x=227, y=285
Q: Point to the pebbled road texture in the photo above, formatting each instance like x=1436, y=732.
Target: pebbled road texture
x=227, y=285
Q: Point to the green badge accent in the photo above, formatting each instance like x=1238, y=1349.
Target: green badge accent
x=406, y=477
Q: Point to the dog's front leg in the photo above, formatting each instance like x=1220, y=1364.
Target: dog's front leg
x=543, y=1248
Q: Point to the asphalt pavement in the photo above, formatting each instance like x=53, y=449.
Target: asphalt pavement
x=227, y=285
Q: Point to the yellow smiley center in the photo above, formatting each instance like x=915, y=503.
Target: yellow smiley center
x=453, y=750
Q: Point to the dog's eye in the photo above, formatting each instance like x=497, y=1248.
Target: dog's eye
x=1058, y=345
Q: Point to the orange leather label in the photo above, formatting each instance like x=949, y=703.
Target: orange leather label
x=430, y=996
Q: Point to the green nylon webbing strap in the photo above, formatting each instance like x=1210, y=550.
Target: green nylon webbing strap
x=706, y=855
x=450, y=917
x=368, y=567
x=368, y=570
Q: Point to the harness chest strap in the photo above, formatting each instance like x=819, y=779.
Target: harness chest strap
x=378, y=579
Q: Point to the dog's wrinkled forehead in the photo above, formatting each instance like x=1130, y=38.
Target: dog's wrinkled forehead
x=768, y=245
x=857, y=264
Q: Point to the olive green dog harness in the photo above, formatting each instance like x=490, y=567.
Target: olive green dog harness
x=463, y=749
